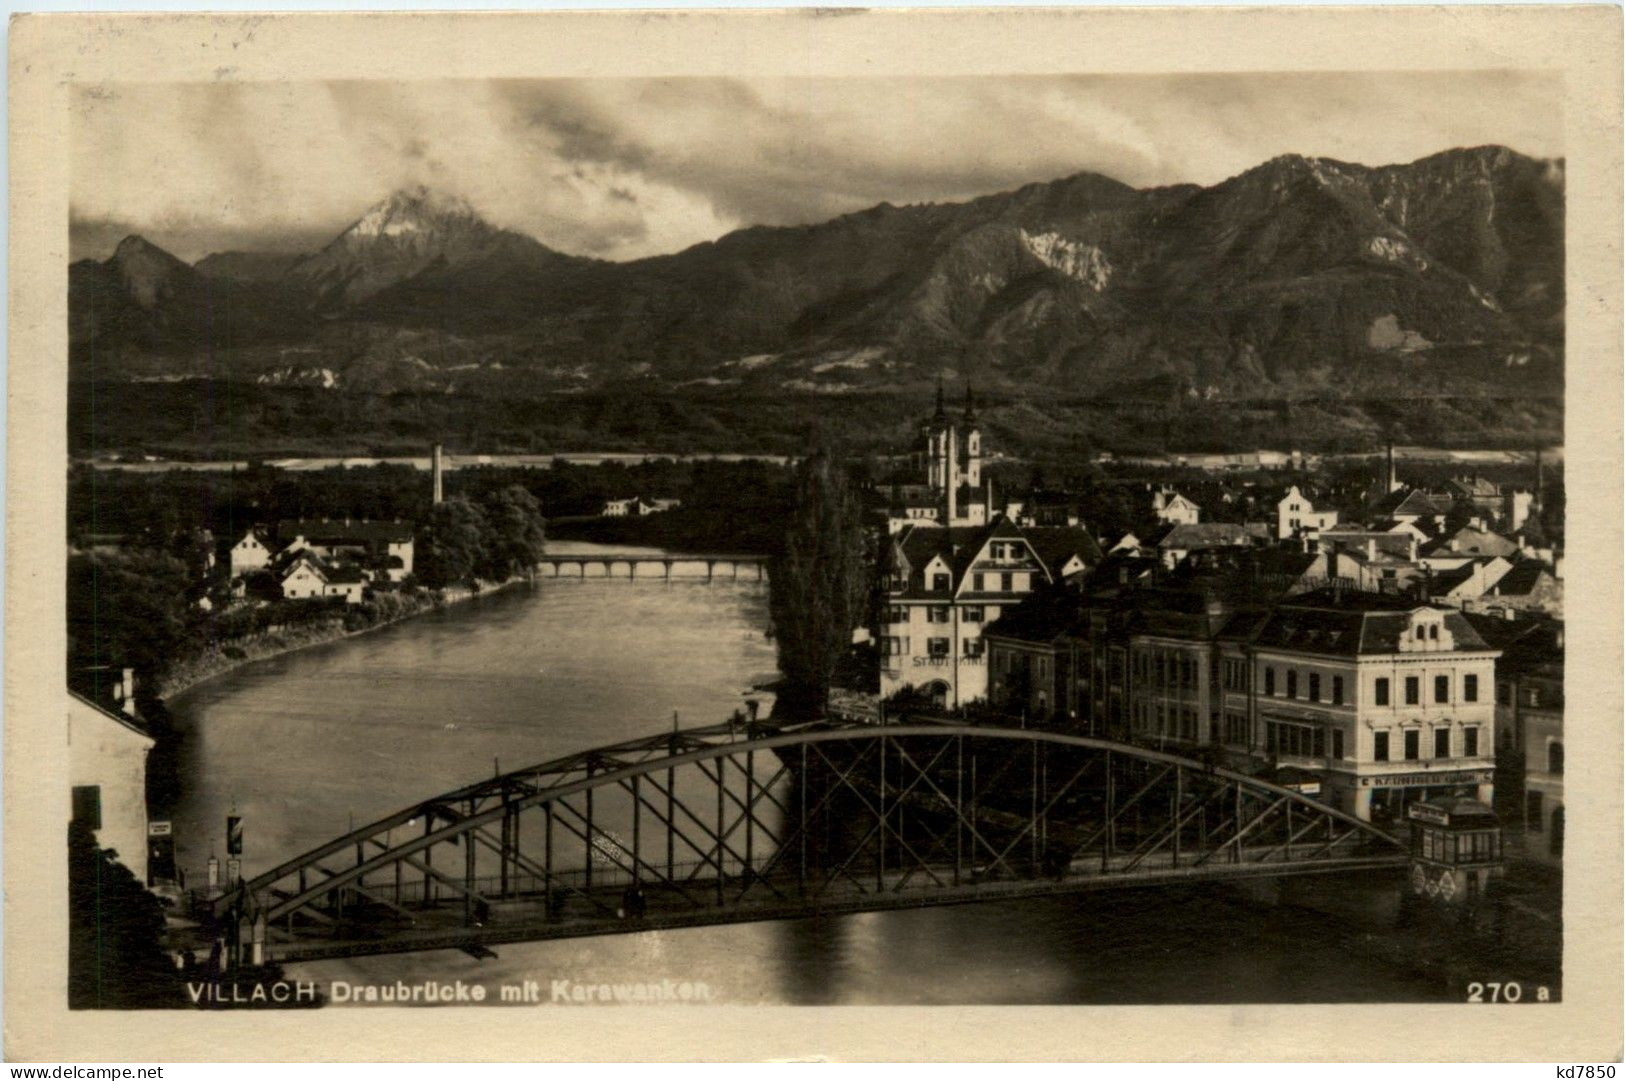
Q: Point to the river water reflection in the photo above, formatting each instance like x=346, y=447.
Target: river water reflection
x=303, y=745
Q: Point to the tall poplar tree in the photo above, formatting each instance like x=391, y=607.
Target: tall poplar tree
x=818, y=584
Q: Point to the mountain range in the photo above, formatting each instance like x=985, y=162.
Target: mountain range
x=1300, y=277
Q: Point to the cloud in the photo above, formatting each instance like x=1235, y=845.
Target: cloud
x=627, y=168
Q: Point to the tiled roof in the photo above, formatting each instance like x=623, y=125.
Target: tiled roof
x=1443, y=582
x=1042, y=617
x=1355, y=624
x=1522, y=579
x=1206, y=535
x=960, y=545
x=1057, y=544
x=1423, y=503
x=1526, y=645
x=1470, y=541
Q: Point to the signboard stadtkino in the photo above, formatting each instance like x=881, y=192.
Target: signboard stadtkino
x=1423, y=812
x=1419, y=780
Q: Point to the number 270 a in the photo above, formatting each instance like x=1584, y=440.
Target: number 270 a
x=1503, y=992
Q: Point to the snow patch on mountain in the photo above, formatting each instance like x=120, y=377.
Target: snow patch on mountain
x=1394, y=250
x=1081, y=262
x=856, y=359
x=1386, y=334
x=326, y=378
x=410, y=211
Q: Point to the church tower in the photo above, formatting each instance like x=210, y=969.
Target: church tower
x=939, y=435
x=972, y=474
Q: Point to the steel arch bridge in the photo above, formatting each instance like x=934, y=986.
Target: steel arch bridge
x=732, y=824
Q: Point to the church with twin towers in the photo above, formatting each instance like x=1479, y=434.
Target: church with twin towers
x=948, y=455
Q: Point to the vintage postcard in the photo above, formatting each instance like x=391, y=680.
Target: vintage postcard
x=617, y=515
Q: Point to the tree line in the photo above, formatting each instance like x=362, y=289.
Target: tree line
x=493, y=537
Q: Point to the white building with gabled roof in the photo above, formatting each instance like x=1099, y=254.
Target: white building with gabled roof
x=948, y=584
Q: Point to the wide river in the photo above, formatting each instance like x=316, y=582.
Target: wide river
x=305, y=744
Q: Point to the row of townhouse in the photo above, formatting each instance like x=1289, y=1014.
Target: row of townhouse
x=1378, y=701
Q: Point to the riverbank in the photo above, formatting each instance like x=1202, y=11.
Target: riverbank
x=222, y=657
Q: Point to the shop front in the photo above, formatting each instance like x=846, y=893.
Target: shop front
x=1384, y=798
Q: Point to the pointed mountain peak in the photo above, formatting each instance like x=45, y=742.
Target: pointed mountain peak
x=148, y=271
x=139, y=247
x=413, y=209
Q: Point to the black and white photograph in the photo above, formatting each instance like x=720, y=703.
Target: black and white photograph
x=1071, y=538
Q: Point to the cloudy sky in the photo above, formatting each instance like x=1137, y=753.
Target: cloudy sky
x=627, y=168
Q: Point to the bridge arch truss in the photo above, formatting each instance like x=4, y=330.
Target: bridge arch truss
x=737, y=823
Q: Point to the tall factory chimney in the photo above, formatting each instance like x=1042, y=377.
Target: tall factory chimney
x=437, y=468
x=1540, y=478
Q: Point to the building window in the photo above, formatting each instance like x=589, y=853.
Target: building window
x=1302, y=740
x=1534, y=812
x=1413, y=690
x=940, y=581
x=897, y=614
x=1441, y=743
x=1469, y=688
x=1337, y=743
x=939, y=613
x=1433, y=632
x=972, y=615
x=1269, y=681
x=977, y=581
x=1554, y=758
x=1007, y=582
x=1382, y=691
x=1413, y=744
x=1233, y=678
x=973, y=647
x=87, y=806
x=1441, y=688
x=1314, y=686
x=1379, y=749
x=1469, y=742
x=937, y=647
x=1337, y=690
x=1235, y=728
x=1503, y=693
x=1291, y=683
